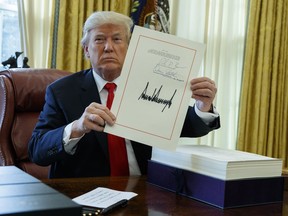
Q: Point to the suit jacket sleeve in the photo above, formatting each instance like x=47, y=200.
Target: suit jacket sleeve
x=46, y=144
x=194, y=126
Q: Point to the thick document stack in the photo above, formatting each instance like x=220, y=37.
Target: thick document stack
x=22, y=194
x=220, y=163
x=220, y=177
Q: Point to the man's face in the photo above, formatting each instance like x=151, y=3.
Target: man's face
x=107, y=49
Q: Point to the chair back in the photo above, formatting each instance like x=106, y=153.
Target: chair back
x=22, y=97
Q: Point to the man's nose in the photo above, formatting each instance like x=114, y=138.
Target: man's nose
x=108, y=46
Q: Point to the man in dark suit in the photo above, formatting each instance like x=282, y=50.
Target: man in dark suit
x=69, y=134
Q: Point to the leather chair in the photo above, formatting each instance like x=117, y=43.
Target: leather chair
x=22, y=96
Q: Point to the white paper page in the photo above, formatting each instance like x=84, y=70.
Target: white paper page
x=103, y=197
x=152, y=101
x=221, y=154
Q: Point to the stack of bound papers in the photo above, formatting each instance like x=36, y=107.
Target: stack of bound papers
x=219, y=163
x=220, y=177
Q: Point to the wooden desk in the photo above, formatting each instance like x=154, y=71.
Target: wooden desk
x=152, y=200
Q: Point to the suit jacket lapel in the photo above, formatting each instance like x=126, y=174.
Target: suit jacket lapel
x=142, y=154
x=88, y=86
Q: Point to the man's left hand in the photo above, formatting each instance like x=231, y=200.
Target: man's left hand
x=203, y=91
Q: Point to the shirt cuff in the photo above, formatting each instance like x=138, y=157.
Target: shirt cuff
x=70, y=145
x=207, y=117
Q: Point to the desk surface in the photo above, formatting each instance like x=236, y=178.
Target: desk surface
x=152, y=200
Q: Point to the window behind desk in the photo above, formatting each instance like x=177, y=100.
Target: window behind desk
x=9, y=29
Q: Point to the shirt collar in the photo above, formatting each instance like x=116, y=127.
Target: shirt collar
x=100, y=82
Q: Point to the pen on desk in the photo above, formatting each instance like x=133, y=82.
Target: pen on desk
x=121, y=203
x=87, y=211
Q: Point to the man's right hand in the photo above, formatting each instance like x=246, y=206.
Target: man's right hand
x=94, y=117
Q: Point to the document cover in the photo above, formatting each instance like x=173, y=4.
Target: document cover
x=216, y=192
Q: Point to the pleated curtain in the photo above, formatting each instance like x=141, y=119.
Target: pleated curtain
x=263, y=116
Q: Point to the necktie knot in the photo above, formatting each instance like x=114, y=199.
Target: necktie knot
x=110, y=87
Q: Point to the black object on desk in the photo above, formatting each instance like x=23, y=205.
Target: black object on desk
x=22, y=194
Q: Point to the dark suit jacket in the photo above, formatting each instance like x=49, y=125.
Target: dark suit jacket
x=66, y=100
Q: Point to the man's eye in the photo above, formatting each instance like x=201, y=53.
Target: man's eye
x=118, y=40
x=99, y=40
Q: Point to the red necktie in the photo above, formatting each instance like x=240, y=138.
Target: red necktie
x=117, y=147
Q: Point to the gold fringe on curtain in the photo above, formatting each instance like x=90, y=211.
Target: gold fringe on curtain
x=65, y=51
x=263, y=119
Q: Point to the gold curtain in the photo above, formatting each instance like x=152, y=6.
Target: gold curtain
x=65, y=51
x=263, y=119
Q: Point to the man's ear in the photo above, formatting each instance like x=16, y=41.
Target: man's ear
x=86, y=52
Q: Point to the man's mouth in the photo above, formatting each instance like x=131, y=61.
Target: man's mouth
x=109, y=59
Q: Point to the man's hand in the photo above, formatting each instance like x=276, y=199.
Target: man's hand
x=94, y=117
x=203, y=91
